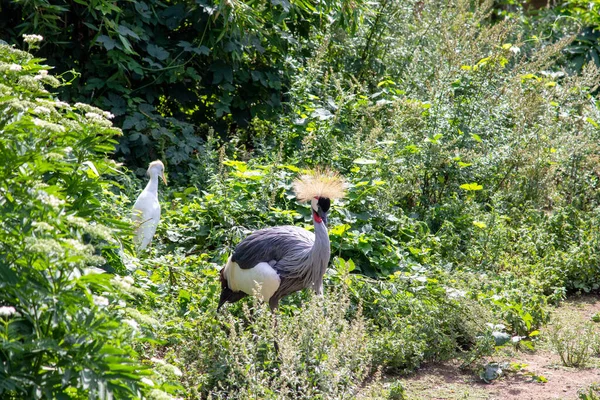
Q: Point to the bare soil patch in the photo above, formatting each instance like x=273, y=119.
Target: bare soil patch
x=447, y=381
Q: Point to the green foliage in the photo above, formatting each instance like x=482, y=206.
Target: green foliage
x=397, y=391
x=58, y=331
x=592, y=392
x=586, y=46
x=471, y=164
x=574, y=341
x=165, y=69
x=320, y=353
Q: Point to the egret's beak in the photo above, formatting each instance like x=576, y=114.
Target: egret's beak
x=163, y=178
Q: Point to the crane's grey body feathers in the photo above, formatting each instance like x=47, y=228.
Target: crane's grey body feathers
x=274, y=262
x=296, y=256
x=273, y=245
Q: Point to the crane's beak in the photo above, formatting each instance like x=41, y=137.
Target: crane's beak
x=163, y=178
x=323, y=216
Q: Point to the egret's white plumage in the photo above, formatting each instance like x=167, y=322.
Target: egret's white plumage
x=146, y=210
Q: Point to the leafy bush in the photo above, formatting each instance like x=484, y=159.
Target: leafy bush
x=165, y=69
x=471, y=163
x=320, y=352
x=574, y=341
x=59, y=334
x=592, y=392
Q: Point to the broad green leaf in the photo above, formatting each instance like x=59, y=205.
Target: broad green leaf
x=157, y=52
x=471, y=186
x=364, y=161
x=476, y=137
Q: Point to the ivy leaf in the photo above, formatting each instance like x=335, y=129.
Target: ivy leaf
x=221, y=72
x=143, y=9
x=157, y=52
x=283, y=3
x=172, y=16
x=490, y=372
x=187, y=46
x=222, y=109
x=108, y=43
x=125, y=31
x=500, y=338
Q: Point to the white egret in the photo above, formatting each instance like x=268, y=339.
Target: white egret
x=146, y=210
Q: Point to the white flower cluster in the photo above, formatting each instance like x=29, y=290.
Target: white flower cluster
x=7, y=311
x=99, y=119
x=156, y=394
x=43, y=73
x=32, y=38
x=41, y=110
x=87, y=108
x=78, y=247
x=43, y=226
x=44, y=246
x=100, y=301
x=30, y=83
x=49, y=199
x=132, y=323
x=167, y=367
x=93, y=229
x=124, y=283
x=143, y=318
x=48, y=125
x=62, y=104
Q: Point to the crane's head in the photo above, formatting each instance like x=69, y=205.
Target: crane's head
x=157, y=168
x=320, y=208
x=319, y=187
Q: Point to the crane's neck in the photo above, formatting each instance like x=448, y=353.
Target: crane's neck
x=319, y=254
x=152, y=186
x=321, y=236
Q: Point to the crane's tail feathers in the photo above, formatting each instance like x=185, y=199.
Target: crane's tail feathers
x=319, y=183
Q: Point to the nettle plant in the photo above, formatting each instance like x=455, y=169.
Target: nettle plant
x=59, y=334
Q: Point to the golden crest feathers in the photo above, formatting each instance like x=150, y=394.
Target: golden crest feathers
x=319, y=183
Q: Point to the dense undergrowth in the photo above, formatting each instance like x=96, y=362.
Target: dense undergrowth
x=470, y=146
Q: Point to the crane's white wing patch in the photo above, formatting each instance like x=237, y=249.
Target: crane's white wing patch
x=262, y=279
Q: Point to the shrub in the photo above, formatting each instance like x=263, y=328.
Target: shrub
x=58, y=331
x=165, y=70
x=574, y=341
x=321, y=353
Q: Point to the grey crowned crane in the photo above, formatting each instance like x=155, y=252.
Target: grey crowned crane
x=146, y=210
x=275, y=262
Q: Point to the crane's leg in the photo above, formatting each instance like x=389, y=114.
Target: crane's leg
x=274, y=305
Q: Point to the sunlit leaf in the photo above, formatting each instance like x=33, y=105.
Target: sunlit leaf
x=471, y=186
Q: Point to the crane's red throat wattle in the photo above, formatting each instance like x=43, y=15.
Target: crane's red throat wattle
x=316, y=217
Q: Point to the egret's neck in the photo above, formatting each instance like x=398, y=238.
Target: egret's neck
x=152, y=185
